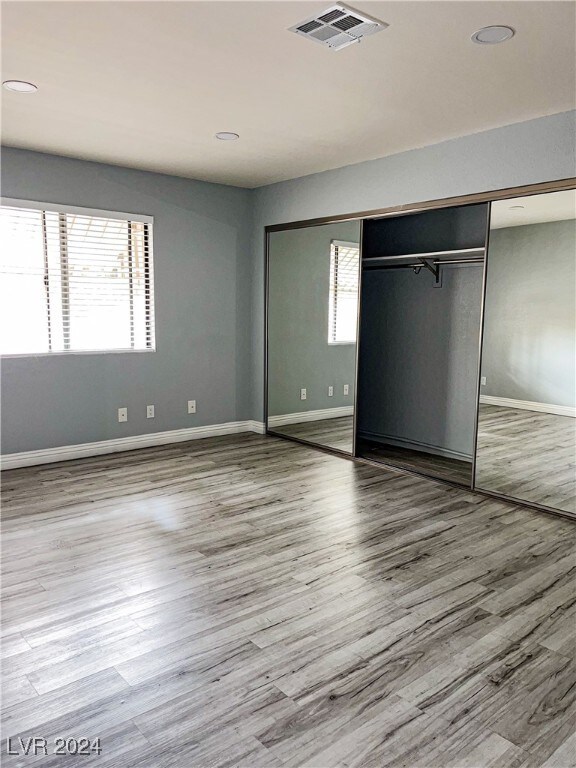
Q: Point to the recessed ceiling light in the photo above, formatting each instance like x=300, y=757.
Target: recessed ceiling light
x=492, y=35
x=19, y=86
x=227, y=136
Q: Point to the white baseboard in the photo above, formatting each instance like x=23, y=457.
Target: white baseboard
x=254, y=426
x=526, y=405
x=297, y=418
x=84, y=450
x=414, y=445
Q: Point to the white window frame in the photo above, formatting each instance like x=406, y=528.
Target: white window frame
x=100, y=213
x=343, y=244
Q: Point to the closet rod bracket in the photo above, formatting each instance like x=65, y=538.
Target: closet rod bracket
x=435, y=269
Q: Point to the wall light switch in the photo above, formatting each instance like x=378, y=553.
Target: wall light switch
x=302, y=394
x=122, y=414
x=191, y=406
x=149, y=411
x=483, y=381
x=330, y=391
x=346, y=389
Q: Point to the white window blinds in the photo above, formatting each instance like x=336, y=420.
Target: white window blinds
x=343, y=299
x=73, y=281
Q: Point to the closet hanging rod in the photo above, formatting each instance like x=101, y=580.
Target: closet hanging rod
x=429, y=254
x=458, y=261
x=421, y=264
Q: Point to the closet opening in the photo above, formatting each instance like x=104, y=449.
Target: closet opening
x=421, y=304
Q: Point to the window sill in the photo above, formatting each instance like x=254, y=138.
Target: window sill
x=65, y=353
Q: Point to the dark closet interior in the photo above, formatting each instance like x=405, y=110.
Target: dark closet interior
x=421, y=300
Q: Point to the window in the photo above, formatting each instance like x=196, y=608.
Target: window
x=343, y=300
x=74, y=280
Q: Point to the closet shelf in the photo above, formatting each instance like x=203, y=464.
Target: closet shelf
x=440, y=255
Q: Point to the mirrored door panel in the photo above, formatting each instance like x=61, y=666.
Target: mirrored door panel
x=526, y=423
x=312, y=321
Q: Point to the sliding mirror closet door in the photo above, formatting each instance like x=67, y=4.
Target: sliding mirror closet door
x=422, y=277
x=526, y=424
x=312, y=323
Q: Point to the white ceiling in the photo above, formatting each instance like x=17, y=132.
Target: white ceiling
x=148, y=84
x=536, y=209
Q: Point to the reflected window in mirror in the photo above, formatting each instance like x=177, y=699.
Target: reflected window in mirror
x=343, y=295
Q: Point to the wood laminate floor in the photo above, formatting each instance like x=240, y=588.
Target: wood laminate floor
x=454, y=470
x=247, y=601
x=332, y=433
x=528, y=455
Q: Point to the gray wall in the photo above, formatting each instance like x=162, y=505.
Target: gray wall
x=209, y=271
x=529, y=349
x=419, y=358
x=202, y=276
x=299, y=353
x=523, y=153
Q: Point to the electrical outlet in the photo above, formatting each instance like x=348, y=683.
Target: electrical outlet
x=302, y=394
x=191, y=406
x=483, y=381
x=122, y=414
x=149, y=411
x=330, y=391
x=346, y=389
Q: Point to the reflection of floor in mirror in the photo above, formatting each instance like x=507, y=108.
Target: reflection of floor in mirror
x=527, y=455
x=443, y=467
x=333, y=433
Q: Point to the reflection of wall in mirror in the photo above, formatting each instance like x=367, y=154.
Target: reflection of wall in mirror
x=299, y=355
x=529, y=349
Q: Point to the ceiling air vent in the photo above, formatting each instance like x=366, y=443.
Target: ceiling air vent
x=338, y=26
